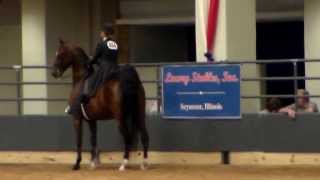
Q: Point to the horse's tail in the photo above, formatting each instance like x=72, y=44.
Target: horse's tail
x=130, y=84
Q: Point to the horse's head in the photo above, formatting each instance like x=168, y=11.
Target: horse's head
x=63, y=60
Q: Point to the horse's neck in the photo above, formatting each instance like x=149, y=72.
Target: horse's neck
x=78, y=71
x=79, y=61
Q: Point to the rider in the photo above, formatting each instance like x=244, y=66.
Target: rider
x=105, y=57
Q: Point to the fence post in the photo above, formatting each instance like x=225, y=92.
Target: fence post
x=18, y=69
x=295, y=74
x=225, y=156
x=159, y=86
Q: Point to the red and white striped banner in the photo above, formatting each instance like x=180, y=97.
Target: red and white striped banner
x=212, y=28
x=207, y=12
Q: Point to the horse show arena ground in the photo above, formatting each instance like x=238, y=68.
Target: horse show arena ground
x=164, y=166
x=159, y=172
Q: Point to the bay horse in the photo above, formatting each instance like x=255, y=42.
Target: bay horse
x=121, y=98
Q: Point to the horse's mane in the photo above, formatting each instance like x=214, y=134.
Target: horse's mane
x=80, y=53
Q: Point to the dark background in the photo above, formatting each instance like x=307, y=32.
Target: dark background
x=281, y=40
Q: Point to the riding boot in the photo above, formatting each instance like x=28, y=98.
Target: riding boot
x=75, y=108
x=83, y=99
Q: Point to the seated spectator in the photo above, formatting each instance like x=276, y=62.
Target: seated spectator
x=273, y=106
x=303, y=104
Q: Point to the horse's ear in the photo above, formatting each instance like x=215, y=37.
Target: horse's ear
x=61, y=41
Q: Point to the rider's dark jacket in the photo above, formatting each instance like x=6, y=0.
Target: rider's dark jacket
x=106, y=57
x=106, y=52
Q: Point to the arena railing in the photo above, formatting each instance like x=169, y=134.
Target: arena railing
x=19, y=83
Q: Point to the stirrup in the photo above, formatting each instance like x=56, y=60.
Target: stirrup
x=85, y=115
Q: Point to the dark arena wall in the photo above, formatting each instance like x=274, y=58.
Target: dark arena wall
x=267, y=133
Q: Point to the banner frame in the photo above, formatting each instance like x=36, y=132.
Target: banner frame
x=162, y=113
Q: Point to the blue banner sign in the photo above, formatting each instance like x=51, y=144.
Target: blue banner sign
x=201, y=92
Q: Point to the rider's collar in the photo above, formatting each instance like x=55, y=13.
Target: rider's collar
x=104, y=39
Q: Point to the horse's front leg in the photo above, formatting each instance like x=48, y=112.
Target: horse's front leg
x=78, y=130
x=95, y=160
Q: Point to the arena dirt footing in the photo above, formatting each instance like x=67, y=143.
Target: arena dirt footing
x=175, y=158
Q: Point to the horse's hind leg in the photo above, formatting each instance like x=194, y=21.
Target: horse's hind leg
x=95, y=160
x=127, y=148
x=78, y=129
x=141, y=118
x=145, y=144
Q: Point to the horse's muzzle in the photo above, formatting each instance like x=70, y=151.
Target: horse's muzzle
x=56, y=73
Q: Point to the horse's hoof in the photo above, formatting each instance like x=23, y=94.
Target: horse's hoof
x=144, y=166
x=123, y=165
x=94, y=165
x=122, y=168
x=76, y=167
